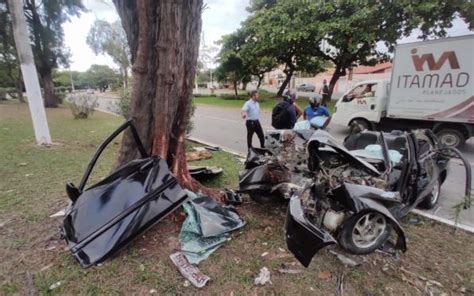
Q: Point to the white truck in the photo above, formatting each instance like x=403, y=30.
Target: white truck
x=432, y=86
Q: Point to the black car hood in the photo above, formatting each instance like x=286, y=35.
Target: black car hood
x=322, y=138
x=109, y=214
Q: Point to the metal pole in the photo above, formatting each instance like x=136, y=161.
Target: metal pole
x=28, y=71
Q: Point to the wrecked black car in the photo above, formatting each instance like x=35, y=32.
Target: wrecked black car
x=359, y=191
x=109, y=214
x=352, y=194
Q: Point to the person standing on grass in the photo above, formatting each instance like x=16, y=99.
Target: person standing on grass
x=325, y=93
x=251, y=112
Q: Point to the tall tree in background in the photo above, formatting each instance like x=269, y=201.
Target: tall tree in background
x=45, y=19
x=109, y=38
x=10, y=74
x=164, y=40
x=254, y=59
x=352, y=32
x=284, y=31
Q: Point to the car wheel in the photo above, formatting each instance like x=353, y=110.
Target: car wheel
x=358, y=125
x=364, y=233
x=450, y=137
x=431, y=200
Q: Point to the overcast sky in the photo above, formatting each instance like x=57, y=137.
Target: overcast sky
x=219, y=18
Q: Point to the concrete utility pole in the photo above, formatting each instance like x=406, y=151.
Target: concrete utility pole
x=28, y=71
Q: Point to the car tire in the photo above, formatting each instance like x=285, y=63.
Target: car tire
x=431, y=200
x=358, y=239
x=359, y=124
x=450, y=137
x=265, y=197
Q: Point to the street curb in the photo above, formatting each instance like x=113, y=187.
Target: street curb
x=444, y=221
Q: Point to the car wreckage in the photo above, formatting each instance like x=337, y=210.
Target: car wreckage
x=353, y=194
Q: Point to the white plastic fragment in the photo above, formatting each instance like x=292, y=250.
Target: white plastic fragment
x=55, y=285
x=263, y=277
x=60, y=213
x=190, y=272
x=344, y=259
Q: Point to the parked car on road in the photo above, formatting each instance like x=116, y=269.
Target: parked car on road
x=306, y=87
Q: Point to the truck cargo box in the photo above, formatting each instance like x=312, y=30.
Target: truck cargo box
x=433, y=80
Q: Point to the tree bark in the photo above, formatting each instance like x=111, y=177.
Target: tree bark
x=19, y=90
x=338, y=72
x=164, y=40
x=287, y=80
x=235, y=88
x=50, y=98
x=260, y=79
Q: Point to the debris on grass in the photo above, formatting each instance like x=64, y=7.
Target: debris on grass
x=206, y=227
x=189, y=271
x=60, y=213
x=290, y=271
x=55, y=285
x=263, y=277
x=324, y=275
x=198, y=155
x=344, y=259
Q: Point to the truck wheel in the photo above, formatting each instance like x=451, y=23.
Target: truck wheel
x=431, y=200
x=358, y=125
x=364, y=233
x=450, y=137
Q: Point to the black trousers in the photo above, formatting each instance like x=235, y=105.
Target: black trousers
x=253, y=126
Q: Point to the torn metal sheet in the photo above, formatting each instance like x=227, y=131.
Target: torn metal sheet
x=190, y=272
x=109, y=214
x=206, y=227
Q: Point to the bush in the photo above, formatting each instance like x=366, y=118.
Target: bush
x=82, y=105
x=123, y=104
x=233, y=97
x=204, y=95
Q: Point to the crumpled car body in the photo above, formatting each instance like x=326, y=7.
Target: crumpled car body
x=374, y=178
x=106, y=216
x=398, y=172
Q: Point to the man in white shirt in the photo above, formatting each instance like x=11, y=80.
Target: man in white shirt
x=251, y=112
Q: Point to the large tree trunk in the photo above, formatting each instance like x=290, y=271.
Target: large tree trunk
x=164, y=40
x=338, y=72
x=19, y=90
x=50, y=98
x=235, y=88
x=260, y=79
x=285, y=83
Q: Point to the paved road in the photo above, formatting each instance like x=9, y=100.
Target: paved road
x=225, y=128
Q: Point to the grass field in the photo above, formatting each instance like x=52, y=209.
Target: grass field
x=266, y=104
x=32, y=256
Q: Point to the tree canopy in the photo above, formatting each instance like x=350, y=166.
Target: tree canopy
x=10, y=75
x=110, y=39
x=45, y=19
x=346, y=33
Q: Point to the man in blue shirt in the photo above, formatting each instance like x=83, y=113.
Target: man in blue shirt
x=251, y=112
x=315, y=109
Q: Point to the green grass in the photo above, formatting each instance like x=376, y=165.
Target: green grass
x=265, y=104
x=32, y=182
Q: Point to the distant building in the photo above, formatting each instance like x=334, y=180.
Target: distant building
x=274, y=78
